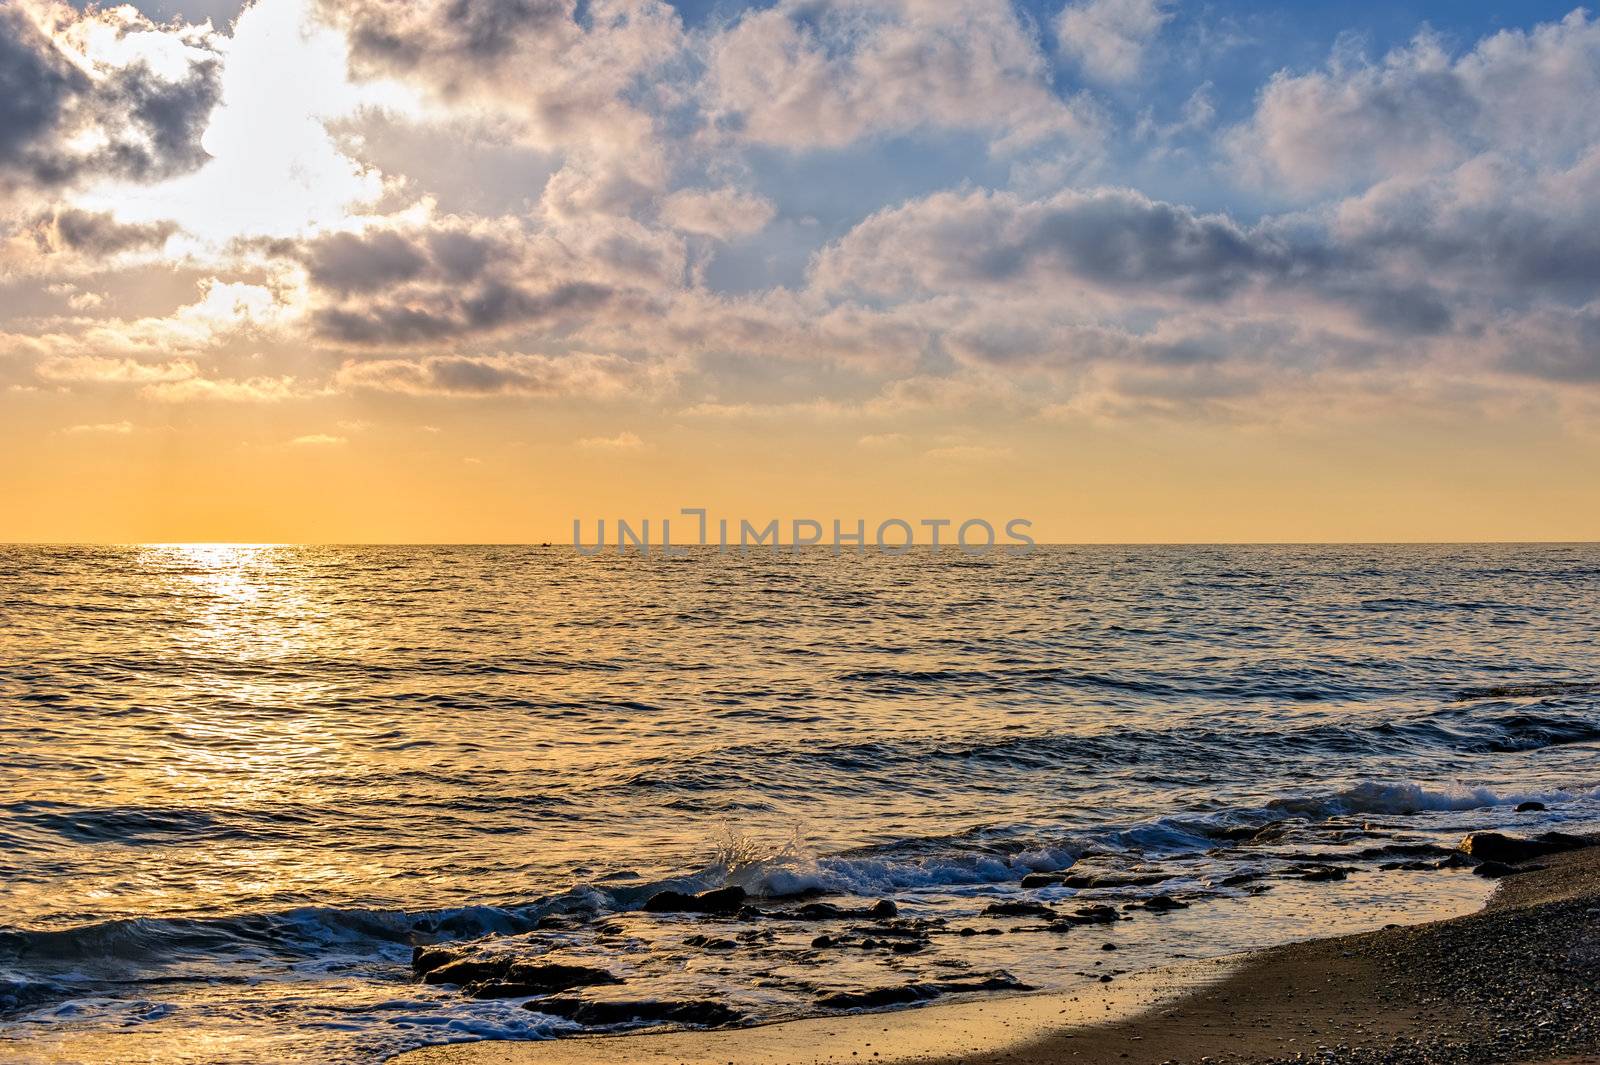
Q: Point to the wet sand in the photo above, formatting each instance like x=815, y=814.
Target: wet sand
x=1517, y=982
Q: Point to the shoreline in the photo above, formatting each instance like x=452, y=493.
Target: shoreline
x=1518, y=981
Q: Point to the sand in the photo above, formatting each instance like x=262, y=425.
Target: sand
x=1517, y=982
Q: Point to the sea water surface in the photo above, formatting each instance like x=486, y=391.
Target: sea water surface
x=243, y=783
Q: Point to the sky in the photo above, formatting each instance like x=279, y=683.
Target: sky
x=468, y=270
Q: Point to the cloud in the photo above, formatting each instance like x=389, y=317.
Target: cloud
x=225, y=390
x=970, y=453
x=97, y=234
x=455, y=35
x=130, y=102
x=443, y=315
x=804, y=74
x=101, y=429
x=439, y=281
x=624, y=441
x=318, y=440
x=722, y=213
x=1419, y=110
x=1112, y=239
x=92, y=369
x=1108, y=38
x=479, y=376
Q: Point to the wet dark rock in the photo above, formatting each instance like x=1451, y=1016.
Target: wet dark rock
x=1018, y=909
x=827, y=911
x=1406, y=850
x=1113, y=880
x=1321, y=873
x=468, y=971
x=593, y=1014
x=502, y=976
x=426, y=959
x=1530, y=807
x=1108, y=946
x=1039, y=880
x=1099, y=913
x=710, y=943
x=878, y=997
x=1498, y=847
x=822, y=942
x=727, y=900
x=1496, y=870
x=1163, y=903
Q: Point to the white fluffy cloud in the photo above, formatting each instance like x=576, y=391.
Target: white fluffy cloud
x=807, y=74
x=1419, y=109
x=1108, y=38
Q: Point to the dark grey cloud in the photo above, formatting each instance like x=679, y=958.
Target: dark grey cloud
x=1108, y=238
x=348, y=263
x=150, y=127
x=448, y=34
x=97, y=232
x=441, y=315
x=482, y=376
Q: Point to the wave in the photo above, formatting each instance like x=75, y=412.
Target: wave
x=40, y=963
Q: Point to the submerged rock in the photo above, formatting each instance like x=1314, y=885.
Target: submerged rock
x=1496, y=870
x=902, y=994
x=1162, y=903
x=1039, y=880
x=503, y=976
x=827, y=911
x=727, y=900
x=595, y=1014
x=710, y=942
x=1530, y=807
x=1099, y=913
x=1018, y=909
x=1113, y=880
x=1498, y=847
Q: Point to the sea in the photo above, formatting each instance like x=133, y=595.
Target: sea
x=244, y=783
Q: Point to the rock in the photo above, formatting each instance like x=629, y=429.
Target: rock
x=823, y=941
x=1113, y=880
x=536, y=978
x=426, y=959
x=1496, y=870
x=878, y=997
x=1498, y=847
x=701, y=1012
x=1530, y=807
x=1099, y=913
x=827, y=911
x=1039, y=880
x=725, y=900
x=1163, y=903
x=1321, y=872
x=468, y=971
x=1018, y=909
x=502, y=976
x=1108, y=946
x=710, y=943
